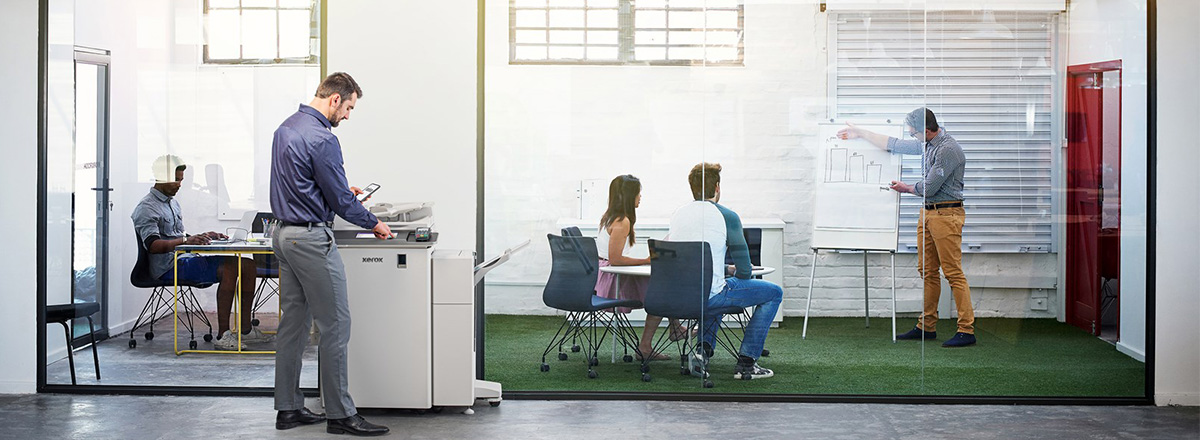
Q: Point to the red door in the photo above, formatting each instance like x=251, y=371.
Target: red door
x=1091, y=131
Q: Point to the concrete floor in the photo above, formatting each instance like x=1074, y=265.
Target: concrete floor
x=161, y=417
x=154, y=362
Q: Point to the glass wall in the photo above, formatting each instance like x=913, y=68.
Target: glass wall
x=169, y=95
x=931, y=197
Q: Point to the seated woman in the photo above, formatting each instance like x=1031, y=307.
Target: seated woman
x=613, y=242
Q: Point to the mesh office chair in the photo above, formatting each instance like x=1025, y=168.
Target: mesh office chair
x=680, y=281
x=572, y=231
x=572, y=289
x=159, y=304
x=267, y=270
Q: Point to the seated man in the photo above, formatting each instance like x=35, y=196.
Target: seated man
x=705, y=220
x=158, y=223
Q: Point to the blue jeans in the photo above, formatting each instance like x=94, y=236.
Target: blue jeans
x=764, y=296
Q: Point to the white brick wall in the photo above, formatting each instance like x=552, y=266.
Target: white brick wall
x=548, y=127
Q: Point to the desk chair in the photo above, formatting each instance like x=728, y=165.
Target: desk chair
x=267, y=270
x=680, y=281
x=159, y=304
x=572, y=289
x=572, y=231
x=63, y=314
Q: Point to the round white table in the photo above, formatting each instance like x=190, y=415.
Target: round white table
x=644, y=271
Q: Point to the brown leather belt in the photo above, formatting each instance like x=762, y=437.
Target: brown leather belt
x=943, y=205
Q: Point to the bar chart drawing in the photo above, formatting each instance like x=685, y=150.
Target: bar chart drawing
x=844, y=166
x=852, y=206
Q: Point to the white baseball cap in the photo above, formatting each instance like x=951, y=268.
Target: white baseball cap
x=164, y=168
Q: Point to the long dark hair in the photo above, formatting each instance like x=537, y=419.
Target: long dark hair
x=622, y=199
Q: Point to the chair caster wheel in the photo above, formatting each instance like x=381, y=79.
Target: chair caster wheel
x=545, y=367
x=766, y=353
x=149, y=335
x=684, y=371
x=132, y=343
x=494, y=403
x=593, y=362
x=436, y=410
x=574, y=349
x=208, y=337
x=192, y=345
x=645, y=368
x=562, y=356
x=592, y=374
x=627, y=358
x=708, y=384
x=255, y=322
x=645, y=377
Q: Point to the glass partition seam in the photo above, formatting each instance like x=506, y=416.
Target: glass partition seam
x=43, y=108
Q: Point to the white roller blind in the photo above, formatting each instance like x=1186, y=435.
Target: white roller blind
x=989, y=78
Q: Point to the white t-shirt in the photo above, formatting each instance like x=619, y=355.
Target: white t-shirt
x=702, y=221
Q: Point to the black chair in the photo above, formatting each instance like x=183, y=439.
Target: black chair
x=572, y=289
x=159, y=304
x=267, y=270
x=573, y=231
x=63, y=314
x=680, y=282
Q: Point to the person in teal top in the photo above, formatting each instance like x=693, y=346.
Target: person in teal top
x=706, y=220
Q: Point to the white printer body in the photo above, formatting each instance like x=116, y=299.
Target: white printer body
x=412, y=310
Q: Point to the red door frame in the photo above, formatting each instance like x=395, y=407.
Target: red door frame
x=1088, y=256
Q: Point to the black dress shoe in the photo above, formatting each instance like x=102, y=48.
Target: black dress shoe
x=354, y=425
x=297, y=417
x=917, y=333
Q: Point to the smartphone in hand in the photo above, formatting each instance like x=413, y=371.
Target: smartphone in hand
x=370, y=189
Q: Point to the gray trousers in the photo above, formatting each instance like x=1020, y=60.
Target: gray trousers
x=312, y=288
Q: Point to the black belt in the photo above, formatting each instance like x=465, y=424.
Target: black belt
x=943, y=205
x=308, y=224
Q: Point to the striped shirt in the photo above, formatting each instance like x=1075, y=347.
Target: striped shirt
x=943, y=166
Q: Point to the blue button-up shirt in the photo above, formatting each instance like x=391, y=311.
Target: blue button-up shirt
x=308, y=182
x=944, y=165
x=157, y=217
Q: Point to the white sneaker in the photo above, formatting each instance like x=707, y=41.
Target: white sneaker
x=227, y=341
x=256, y=336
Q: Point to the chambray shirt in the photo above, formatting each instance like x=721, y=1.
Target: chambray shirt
x=308, y=181
x=158, y=217
x=943, y=166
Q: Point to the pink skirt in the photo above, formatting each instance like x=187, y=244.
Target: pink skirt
x=631, y=287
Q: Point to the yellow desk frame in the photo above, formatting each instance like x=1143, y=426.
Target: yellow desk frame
x=237, y=251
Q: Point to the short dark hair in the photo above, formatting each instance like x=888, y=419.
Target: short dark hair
x=914, y=119
x=704, y=179
x=340, y=83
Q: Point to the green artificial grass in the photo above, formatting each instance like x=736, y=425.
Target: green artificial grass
x=1014, y=357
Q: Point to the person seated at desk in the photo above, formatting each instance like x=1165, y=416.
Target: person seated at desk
x=616, y=230
x=705, y=220
x=158, y=223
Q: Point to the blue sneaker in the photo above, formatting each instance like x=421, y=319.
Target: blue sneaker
x=916, y=333
x=960, y=339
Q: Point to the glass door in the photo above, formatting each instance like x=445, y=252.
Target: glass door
x=91, y=205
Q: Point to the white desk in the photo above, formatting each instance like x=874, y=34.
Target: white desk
x=644, y=271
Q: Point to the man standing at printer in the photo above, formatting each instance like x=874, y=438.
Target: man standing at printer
x=941, y=225
x=308, y=186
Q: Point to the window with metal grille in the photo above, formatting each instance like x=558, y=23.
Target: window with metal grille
x=989, y=78
x=261, y=31
x=654, y=32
